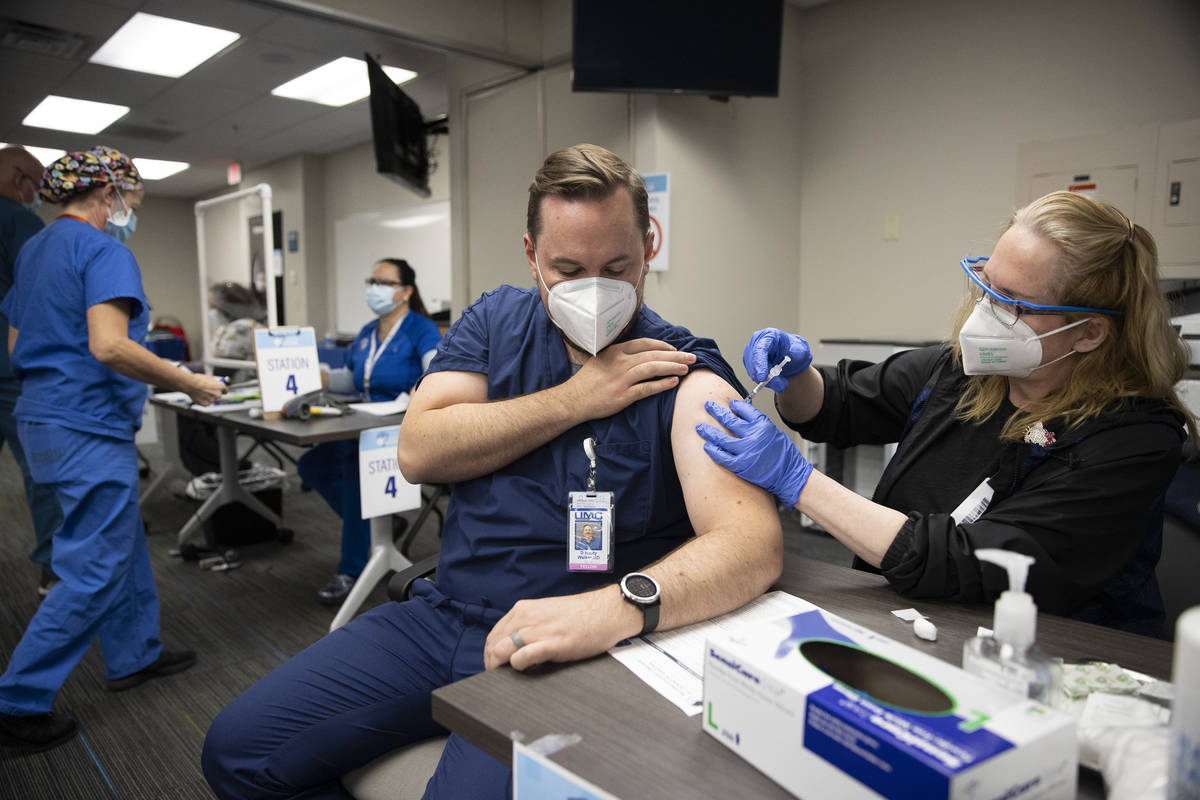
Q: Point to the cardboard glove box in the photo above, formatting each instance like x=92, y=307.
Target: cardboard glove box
x=828, y=708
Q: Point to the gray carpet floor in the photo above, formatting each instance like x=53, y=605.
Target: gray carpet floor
x=145, y=743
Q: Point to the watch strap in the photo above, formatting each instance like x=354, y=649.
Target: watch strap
x=649, y=618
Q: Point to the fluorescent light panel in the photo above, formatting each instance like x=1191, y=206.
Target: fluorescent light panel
x=337, y=83
x=162, y=46
x=70, y=114
x=153, y=169
x=44, y=155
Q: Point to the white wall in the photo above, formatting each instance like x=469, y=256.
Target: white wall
x=913, y=110
x=354, y=193
x=735, y=193
x=165, y=249
x=296, y=186
x=916, y=109
x=734, y=248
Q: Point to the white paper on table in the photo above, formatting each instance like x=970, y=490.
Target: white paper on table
x=384, y=409
x=672, y=662
x=178, y=398
x=182, y=399
x=221, y=408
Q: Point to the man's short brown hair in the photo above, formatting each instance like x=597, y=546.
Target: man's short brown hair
x=585, y=171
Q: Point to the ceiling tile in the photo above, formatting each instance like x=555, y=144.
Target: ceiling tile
x=230, y=15
x=186, y=106
x=95, y=20
x=192, y=182
x=239, y=134
x=112, y=85
x=344, y=40
x=256, y=66
x=338, y=129
x=222, y=110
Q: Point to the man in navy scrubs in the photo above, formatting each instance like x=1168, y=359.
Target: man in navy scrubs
x=20, y=177
x=520, y=382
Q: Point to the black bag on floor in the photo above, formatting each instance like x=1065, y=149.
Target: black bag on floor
x=235, y=524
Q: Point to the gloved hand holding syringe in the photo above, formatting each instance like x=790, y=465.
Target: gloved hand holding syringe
x=771, y=375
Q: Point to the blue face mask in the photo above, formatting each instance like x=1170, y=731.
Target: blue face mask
x=122, y=232
x=36, y=203
x=379, y=298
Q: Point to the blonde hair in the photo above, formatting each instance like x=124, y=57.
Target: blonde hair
x=1105, y=261
x=585, y=171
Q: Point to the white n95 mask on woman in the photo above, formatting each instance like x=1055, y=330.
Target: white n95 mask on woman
x=989, y=347
x=591, y=312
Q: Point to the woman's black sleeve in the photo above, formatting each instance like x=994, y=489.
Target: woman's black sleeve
x=869, y=403
x=1081, y=517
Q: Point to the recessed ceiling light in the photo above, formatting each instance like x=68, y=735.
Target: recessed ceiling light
x=44, y=155
x=162, y=46
x=77, y=116
x=338, y=83
x=152, y=169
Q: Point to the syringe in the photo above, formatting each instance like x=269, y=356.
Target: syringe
x=772, y=374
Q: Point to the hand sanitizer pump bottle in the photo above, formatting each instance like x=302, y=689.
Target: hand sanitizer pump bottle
x=1010, y=658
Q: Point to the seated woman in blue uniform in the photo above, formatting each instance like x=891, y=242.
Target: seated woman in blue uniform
x=385, y=360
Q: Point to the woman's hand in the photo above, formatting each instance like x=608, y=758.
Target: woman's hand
x=204, y=389
x=756, y=451
x=767, y=348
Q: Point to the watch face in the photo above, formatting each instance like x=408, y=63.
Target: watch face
x=641, y=586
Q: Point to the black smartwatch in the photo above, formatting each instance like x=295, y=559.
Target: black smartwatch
x=642, y=591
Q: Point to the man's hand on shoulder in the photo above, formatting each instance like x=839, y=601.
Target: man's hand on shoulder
x=561, y=628
x=627, y=372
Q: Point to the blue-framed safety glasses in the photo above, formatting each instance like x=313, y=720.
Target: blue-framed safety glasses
x=1008, y=309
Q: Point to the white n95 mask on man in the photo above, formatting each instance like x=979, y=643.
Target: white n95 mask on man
x=591, y=312
x=989, y=347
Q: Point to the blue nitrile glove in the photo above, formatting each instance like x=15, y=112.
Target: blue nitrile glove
x=767, y=348
x=757, y=452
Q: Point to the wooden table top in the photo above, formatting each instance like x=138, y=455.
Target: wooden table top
x=637, y=744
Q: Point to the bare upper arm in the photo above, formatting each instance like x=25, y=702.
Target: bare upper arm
x=107, y=323
x=443, y=389
x=715, y=497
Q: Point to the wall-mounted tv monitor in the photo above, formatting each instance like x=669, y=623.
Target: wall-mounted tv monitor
x=399, y=131
x=713, y=47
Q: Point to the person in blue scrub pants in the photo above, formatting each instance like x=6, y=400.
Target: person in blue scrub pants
x=384, y=361
x=77, y=314
x=521, y=380
x=20, y=176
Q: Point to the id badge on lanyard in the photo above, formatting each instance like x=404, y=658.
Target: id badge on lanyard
x=977, y=502
x=590, y=527
x=374, y=355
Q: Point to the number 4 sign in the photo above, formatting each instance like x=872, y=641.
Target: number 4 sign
x=383, y=489
x=287, y=365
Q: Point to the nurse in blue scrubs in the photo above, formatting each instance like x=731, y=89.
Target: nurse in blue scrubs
x=77, y=315
x=386, y=359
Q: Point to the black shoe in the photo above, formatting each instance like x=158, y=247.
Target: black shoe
x=333, y=593
x=38, y=732
x=170, y=662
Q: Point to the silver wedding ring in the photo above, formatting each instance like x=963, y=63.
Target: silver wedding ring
x=516, y=639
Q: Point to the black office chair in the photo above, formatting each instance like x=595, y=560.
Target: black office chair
x=403, y=773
